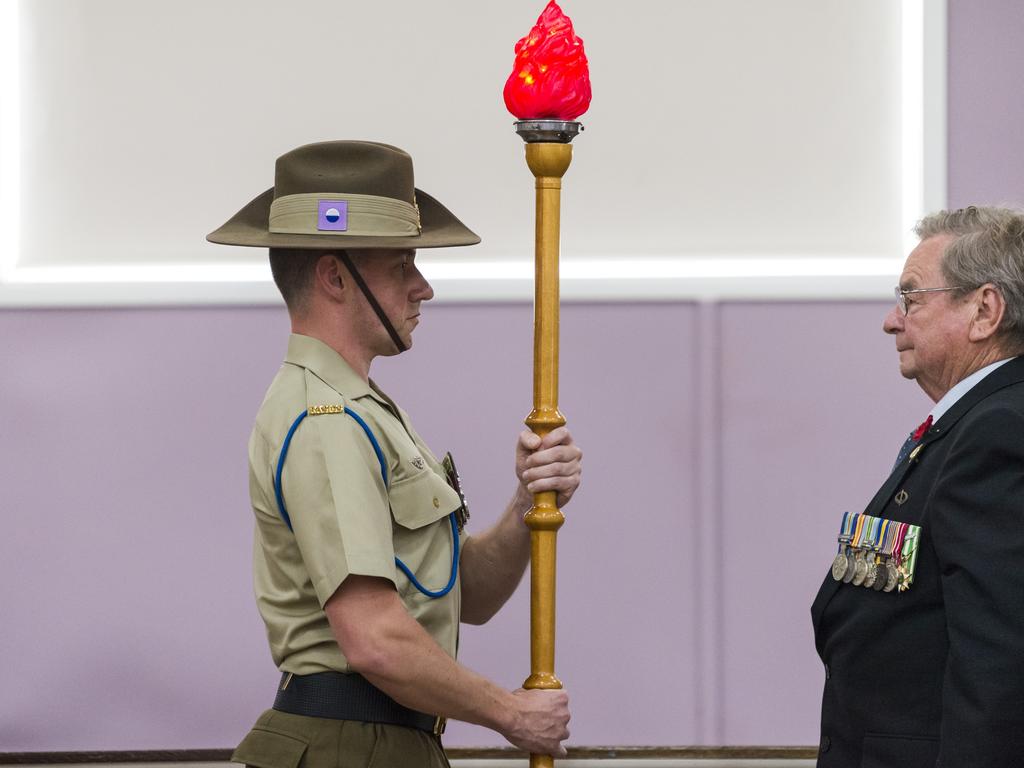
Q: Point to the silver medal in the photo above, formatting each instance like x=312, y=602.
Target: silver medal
x=860, y=569
x=872, y=574
x=891, y=576
x=840, y=566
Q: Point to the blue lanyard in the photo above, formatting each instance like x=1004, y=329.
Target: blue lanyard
x=279, y=494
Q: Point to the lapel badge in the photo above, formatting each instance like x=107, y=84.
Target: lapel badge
x=901, y=497
x=418, y=462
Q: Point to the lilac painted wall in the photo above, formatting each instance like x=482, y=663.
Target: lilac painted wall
x=722, y=443
x=127, y=542
x=986, y=61
x=813, y=411
x=126, y=600
x=619, y=552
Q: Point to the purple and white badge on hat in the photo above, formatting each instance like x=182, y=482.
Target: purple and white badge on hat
x=332, y=215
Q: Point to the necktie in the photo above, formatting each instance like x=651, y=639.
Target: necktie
x=912, y=439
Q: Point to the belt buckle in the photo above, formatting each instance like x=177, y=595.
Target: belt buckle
x=439, y=725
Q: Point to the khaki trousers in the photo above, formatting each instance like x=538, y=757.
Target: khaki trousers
x=283, y=740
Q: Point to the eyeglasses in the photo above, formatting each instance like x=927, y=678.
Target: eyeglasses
x=901, y=295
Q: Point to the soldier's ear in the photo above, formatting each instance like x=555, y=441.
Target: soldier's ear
x=990, y=306
x=330, y=277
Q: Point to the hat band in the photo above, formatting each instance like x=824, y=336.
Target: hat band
x=340, y=213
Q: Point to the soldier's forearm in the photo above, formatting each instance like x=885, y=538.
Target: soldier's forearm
x=411, y=668
x=391, y=650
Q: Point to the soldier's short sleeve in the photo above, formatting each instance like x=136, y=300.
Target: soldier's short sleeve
x=337, y=501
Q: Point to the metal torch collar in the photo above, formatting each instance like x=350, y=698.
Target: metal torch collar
x=548, y=131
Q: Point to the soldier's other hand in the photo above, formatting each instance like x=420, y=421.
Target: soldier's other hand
x=551, y=464
x=540, y=722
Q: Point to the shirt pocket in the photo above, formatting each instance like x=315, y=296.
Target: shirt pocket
x=422, y=499
x=422, y=534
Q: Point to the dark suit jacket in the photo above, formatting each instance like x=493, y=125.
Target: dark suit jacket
x=935, y=675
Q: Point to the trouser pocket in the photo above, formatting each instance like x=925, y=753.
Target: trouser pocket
x=269, y=749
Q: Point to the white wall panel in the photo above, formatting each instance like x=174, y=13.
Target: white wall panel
x=718, y=130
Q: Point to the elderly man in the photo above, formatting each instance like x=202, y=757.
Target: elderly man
x=921, y=622
x=362, y=568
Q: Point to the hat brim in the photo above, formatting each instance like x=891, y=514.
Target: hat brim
x=249, y=227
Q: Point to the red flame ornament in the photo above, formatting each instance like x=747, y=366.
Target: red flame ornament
x=550, y=79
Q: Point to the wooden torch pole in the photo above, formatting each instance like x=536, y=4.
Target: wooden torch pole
x=548, y=162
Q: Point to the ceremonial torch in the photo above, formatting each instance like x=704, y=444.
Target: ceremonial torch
x=548, y=89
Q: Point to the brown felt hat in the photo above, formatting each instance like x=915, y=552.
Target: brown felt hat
x=344, y=194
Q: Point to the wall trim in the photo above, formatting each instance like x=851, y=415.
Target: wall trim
x=454, y=753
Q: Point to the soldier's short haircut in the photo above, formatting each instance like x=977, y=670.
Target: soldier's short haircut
x=292, y=269
x=989, y=248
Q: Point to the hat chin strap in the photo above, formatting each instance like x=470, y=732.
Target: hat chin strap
x=371, y=299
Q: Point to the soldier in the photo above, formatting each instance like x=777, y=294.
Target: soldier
x=362, y=567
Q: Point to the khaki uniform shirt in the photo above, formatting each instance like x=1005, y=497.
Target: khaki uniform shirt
x=345, y=519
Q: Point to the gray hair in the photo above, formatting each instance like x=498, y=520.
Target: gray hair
x=989, y=248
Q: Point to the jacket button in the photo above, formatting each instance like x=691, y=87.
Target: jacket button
x=828, y=672
x=437, y=502
x=826, y=744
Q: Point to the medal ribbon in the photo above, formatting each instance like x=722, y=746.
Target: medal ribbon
x=888, y=538
x=897, y=550
x=877, y=526
x=909, y=553
x=859, y=530
x=844, y=531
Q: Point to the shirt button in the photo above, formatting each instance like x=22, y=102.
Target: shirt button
x=826, y=744
x=437, y=503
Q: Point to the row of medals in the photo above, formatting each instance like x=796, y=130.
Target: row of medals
x=867, y=553
x=865, y=569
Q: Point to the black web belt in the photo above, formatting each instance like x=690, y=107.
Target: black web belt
x=341, y=696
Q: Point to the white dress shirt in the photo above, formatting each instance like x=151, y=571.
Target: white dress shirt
x=962, y=388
